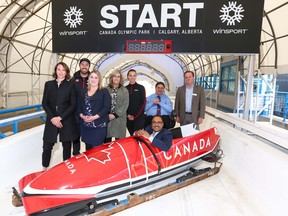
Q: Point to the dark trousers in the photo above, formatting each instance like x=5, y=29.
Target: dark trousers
x=88, y=146
x=188, y=120
x=76, y=143
x=47, y=150
x=136, y=124
x=76, y=146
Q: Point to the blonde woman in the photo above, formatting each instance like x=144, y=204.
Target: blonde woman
x=119, y=104
x=93, y=108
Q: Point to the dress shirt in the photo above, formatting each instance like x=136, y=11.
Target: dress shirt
x=189, y=98
x=165, y=104
x=153, y=135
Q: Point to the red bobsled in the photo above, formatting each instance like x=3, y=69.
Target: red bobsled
x=84, y=182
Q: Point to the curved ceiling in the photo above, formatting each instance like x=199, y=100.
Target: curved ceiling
x=26, y=49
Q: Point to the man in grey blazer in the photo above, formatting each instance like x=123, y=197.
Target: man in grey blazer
x=190, y=102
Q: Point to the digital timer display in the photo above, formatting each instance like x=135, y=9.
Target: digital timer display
x=148, y=46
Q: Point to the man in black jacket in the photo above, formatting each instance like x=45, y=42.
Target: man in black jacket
x=80, y=80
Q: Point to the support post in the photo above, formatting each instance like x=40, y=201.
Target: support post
x=249, y=90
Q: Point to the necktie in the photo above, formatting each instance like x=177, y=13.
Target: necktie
x=158, y=106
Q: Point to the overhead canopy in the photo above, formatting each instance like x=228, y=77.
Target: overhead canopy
x=26, y=48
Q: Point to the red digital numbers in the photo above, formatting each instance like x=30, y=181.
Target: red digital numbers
x=148, y=46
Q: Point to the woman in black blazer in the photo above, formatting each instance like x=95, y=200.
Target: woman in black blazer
x=59, y=103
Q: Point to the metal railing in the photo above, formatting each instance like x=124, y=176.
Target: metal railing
x=17, y=119
x=281, y=104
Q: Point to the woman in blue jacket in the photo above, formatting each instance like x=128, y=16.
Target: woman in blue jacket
x=93, y=108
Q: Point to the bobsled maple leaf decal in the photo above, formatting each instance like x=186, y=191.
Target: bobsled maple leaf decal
x=102, y=156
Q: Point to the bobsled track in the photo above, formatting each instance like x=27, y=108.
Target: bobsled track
x=252, y=180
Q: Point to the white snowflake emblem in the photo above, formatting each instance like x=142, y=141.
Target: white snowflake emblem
x=231, y=13
x=73, y=17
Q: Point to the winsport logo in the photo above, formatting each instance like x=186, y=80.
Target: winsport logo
x=73, y=17
x=231, y=13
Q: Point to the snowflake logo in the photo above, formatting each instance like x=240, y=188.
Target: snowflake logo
x=231, y=13
x=73, y=17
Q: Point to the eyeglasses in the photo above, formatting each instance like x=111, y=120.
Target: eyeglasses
x=157, y=122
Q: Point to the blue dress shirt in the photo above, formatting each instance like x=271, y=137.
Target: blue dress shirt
x=165, y=104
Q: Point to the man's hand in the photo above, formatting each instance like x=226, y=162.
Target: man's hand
x=130, y=117
x=142, y=133
x=57, y=121
x=111, y=117
x=200, y=120
x=156, y=101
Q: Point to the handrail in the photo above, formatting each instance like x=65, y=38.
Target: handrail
x=274, y=135
x=16, y=119
x=281, y=104
x=15, y=109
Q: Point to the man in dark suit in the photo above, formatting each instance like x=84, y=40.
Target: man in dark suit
x=159, y=137
x=190, y=102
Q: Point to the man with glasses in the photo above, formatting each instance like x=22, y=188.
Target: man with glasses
x=158, y=104
x=159, y=137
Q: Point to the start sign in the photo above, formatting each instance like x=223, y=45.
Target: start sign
x=193, y=26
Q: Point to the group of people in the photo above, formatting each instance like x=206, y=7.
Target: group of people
x=80, y=107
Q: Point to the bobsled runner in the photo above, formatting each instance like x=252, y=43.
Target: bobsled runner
x=110, y=172
x=133, y=199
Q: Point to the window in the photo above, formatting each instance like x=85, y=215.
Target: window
x=228, y=77
x=207, y=82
